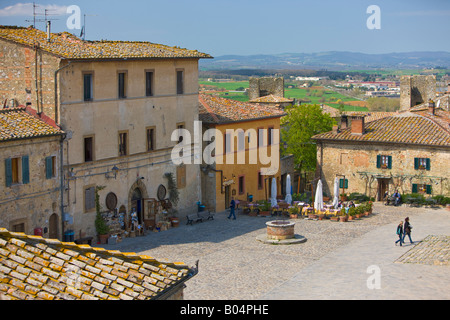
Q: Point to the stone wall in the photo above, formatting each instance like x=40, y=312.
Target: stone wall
x=416, y=90
x=22, y=70
x=358, y=162
x=31, y=204
x=259, y=87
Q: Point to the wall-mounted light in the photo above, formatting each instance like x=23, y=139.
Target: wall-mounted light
x=114, y=170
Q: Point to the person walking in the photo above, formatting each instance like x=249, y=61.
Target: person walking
x=407, y=230
x=400, y=233
x=232, y=207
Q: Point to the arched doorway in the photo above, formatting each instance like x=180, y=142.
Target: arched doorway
x=136, y=196
x=53, y=226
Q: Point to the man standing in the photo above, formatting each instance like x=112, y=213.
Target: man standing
x=232, y=207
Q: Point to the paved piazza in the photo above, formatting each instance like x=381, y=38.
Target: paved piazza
x=340, y=260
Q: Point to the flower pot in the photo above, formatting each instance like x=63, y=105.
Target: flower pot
x=264, y=213
x=358, y=216
x=175, y=222
x=343, y=218
x=350, y=218
x=321, y=216
x=103, y=238
x=312, y=216
x=293, y=216
x=334, y=218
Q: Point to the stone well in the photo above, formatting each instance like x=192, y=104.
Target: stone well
x=280, y=232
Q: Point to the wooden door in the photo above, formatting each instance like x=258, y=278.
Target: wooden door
x=53, y=226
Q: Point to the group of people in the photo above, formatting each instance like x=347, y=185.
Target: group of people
x=403, y=230
x=397, y=197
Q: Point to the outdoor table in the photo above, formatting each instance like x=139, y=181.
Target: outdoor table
x=328, y=206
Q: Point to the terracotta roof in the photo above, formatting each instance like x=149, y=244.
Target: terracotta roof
x=405, y=128
x=214, y=109
x=17, y=123
x=32, y=267
x=69, y=46
x=271, y=99
x=369, y=115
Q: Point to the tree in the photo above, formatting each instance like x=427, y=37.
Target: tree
x=298, y=126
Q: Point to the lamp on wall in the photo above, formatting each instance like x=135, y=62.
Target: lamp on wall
x=114, y=170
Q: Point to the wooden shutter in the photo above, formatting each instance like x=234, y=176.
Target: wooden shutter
x=414, y=188
x=25, y=170
x=428, y=189
x=428, y=164
x=378, y=161
x=343, y=183
x=48, y=167
x=8, y=172
x=416, y=163
x=389, y=162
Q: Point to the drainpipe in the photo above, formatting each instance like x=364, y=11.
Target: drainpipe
x=61, y=180
x=56, y=92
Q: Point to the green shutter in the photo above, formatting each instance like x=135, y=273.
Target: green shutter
x=343, y=183
x=378, y=161
x=346, y=183
x=48, y=168
x=428, y=164
x=416, y=163
x=8, y=172
x=428, y=189
x=389, y=162
x=414, y=188
x=25, y=170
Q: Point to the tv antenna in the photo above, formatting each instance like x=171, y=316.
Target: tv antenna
x=46, y=14
x=83, y=29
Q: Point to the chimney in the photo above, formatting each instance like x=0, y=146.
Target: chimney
x=48, y=30
x=357, y=125
x=431, y=107
x=335, y=129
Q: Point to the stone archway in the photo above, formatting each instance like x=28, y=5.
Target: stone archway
x=136, y=195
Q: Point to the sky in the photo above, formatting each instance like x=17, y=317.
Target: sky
x=247, y=27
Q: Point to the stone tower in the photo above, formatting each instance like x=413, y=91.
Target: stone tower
x=260, y=87
x=416, y=90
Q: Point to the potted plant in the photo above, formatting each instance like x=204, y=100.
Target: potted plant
x=264, y=208
x=351, y=213
x=343, y=216
x=344, y=197
x=101, y=226
x=359, y=211
x=293, y=212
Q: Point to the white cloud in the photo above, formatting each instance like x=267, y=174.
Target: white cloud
x=26, y=9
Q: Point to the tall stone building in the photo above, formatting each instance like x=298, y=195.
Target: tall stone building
x=119, y=103
x=260, y=87
x=416, y=89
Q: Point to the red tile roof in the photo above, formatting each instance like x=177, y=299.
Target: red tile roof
x=214, y=109
x=68, y=46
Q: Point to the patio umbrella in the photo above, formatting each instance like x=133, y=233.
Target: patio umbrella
x=273, y=193
x=336, y=193
x=318, y=200
x=288, y=198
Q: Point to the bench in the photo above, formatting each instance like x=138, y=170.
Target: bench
x=199, y=217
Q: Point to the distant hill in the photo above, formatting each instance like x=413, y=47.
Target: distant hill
x=331, y=60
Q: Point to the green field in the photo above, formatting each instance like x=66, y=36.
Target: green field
x=310, y=95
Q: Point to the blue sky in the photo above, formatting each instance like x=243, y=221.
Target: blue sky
x=254, y=26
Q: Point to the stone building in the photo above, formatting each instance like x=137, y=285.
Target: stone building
x=409, y=151
x=253, y=128
x=260, y=87
x=416, y=89
x=119, y=103
x=30, y=175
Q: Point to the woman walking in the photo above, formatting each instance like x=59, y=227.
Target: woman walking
x=400, y=233
x=407, y=230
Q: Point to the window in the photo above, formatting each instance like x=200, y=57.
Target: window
x=180, y=132
x=343, y=183
x=17, y=170
x=149, y=83
x=344, y=158
x=151, y=139
x=122, y=85
x=421, y=188
x=88, y=86
x=123, y=143
x=384, y=162
x=50, y=167
x=421, y=163
x=241, y=185
x=89, y=199
x=181, y=177
x=88, y=149
x=180, y=81
x=260, y=181
x=270, y=136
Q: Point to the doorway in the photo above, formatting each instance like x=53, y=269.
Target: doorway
x=383, y=186
x=227, y=197
x=136, y=203
x=53, y=226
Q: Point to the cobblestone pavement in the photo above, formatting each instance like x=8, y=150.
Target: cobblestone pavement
x=433, y=250
x=332, y=264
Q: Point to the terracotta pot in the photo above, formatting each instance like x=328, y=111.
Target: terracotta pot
x=334, y=218
x=103, y=238
x=350, y=218
x=293, y=216
x=264, y=213
x=175, y=222
x=343, y=218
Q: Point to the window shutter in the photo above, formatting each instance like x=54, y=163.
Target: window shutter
x=428, y=164
x=25, y=170
x=346, y=183
x=414, y=188
x=389, y=162
x=8, y=172
x=378, y=161
x=416, y=163
x=343, y=183
x=428, y=189
x=48, y=167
